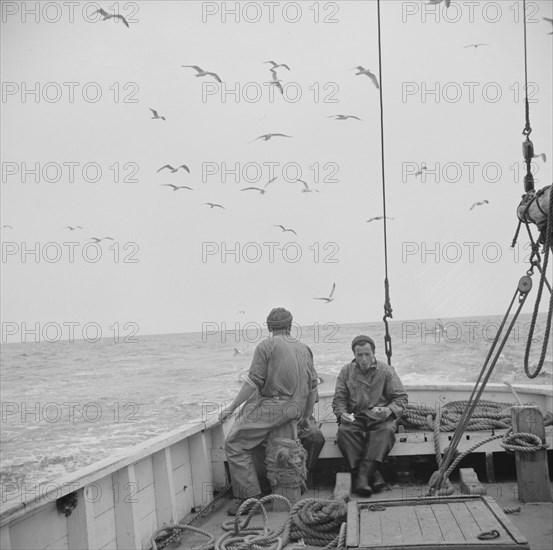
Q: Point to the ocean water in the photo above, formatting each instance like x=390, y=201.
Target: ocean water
x=68, y=404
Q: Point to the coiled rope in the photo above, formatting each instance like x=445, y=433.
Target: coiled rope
x=487, y=415
x=316, y=522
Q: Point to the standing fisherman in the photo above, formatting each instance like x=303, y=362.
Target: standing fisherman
x=282, y=371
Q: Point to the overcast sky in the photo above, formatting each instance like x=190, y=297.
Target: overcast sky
x=77, y=91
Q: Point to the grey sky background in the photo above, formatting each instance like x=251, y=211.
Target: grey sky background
x=172, y=286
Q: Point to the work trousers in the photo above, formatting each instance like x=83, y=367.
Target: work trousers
x=366, y=439
x=250, y=429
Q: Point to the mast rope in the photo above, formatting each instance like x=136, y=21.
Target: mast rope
x=387, y=302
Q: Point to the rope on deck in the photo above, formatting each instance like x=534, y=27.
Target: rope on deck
x=311, y=521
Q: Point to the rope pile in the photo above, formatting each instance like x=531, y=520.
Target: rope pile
x=318, y=522
x=315, y=522
x=487, y=415
x=286, y=463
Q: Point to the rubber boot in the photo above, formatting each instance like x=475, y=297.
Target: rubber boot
x=378, y=482
x=366, y=470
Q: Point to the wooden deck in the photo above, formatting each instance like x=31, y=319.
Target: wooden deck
x=448, y=527
x=431, y=524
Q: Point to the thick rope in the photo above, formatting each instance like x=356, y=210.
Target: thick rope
x=548, y=244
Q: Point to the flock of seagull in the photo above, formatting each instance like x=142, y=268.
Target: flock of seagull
x=277, y=82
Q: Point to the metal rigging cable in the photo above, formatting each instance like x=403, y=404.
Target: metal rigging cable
x=387, y=303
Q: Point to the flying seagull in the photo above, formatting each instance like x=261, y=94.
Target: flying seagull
x=278, y=84
x=306, y=188
x=378, y=218
x=542, y=155
x=330, y=298
x=550, y=20
x=73, y=228
x=447, y=2
x=240, y=312
x=479, y=203
x=344, y=117
x=155, y=113
x=177, y=187
x=475, y=45
x=173, y=170
x=277, y=65
x=267, y=137
x=201, y=72
x=6, y=227
x=107, y=16
x=213, y=205
x=368, y=73
x=284, y=229
x=97, y=240
x=263, y=190
x=419, y=172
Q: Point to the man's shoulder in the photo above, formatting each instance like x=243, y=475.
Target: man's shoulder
x=384, y=367
x=347, y=368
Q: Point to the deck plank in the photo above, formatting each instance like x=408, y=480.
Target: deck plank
x=370, y=529
x=445, y=521
x=411, y=529
x=429, y=526
x=464, y=519
x=389, y=522
x=486, y=521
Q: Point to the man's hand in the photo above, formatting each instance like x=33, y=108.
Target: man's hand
x=303, y=425
x=347, y=417
x=225, y=413
x=383, y=412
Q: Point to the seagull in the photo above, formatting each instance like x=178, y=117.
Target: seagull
x=238, y=351
x=344, y=117
x=419, y=172
x=201, y=72
x=550, y=20
x=307, y=189
x=267, y=137
x=368, y=73
x=475, y=45
x=284, y=229
x=479, y=203
x=542, y=155
x=278, y=84
x=107, y=16
x=262, y=191
x=213, y=205
x=330, y=298
x=6, y=227
x=277, y=65
x=97, y=240
x=154, y=112
x=378, y=218
x=173, y=170
x=73, y=228
x=447, y=2
x=241, y=312
x=177, y=187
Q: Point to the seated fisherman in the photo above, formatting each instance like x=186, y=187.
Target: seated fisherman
x=368, y=400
